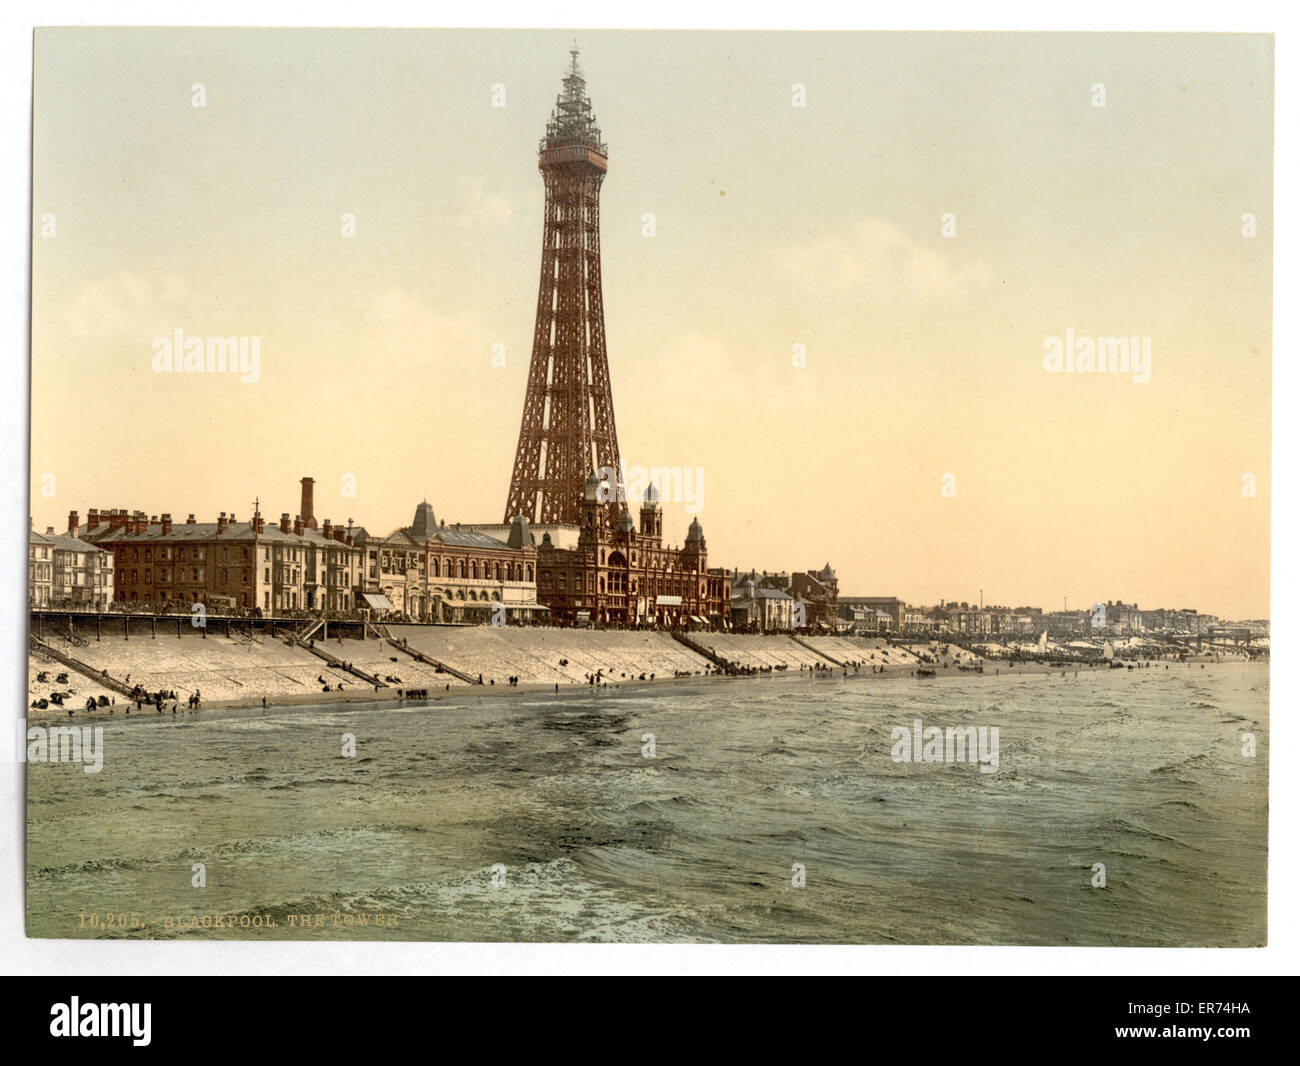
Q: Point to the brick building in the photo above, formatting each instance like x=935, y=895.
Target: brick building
x=621, y=573
x=253, y=566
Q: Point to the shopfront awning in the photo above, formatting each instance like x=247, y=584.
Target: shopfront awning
x=377, y=600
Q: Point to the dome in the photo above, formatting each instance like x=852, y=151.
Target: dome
x=826, y=574
x=625, y=523
x=696, y=532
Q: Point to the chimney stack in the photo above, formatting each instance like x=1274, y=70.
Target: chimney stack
x=189, y=520
x=297, y=525
x=308, y=507
x=92, y=518
x=221, y=523
x=327, y=531
x=166, y=524
x=141, y=523
x=284, y=522
x=74, y=523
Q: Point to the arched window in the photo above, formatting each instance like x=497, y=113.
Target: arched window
x=530, y=573
x=462, y=568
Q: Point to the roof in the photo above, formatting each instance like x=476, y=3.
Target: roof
x=62, y=540
x=204, y=531
x=466, y=538
x=760, y=592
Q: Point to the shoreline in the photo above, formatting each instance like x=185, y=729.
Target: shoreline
x=386, y=698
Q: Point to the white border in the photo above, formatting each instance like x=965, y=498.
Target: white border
x=21, y=955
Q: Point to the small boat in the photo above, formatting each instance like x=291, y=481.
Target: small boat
x=923, y=672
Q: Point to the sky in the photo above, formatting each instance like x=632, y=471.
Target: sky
x=835, y=319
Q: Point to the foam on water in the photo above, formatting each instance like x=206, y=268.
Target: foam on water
x=1141, y=771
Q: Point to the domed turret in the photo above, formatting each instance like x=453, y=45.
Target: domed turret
x=652, y=518
x=695, y=533
x=625, y=523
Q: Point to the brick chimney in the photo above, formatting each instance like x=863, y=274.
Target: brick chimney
x=297, y=525
x=166, y=524
x=327, y=530
x=259, y=523
x=284, y=522
x=74, y=523
x=222, y=522
x=189, y=520
x=308, y=507
x=92, y=518
x=141, y=523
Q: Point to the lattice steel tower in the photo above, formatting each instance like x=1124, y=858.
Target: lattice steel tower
x=568, y=424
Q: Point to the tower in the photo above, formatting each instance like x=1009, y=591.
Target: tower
x=652, y=515
x=567, y=429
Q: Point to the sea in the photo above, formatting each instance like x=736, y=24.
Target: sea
x=1128, y=807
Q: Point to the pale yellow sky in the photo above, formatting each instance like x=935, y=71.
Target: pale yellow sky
x=775, y=226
